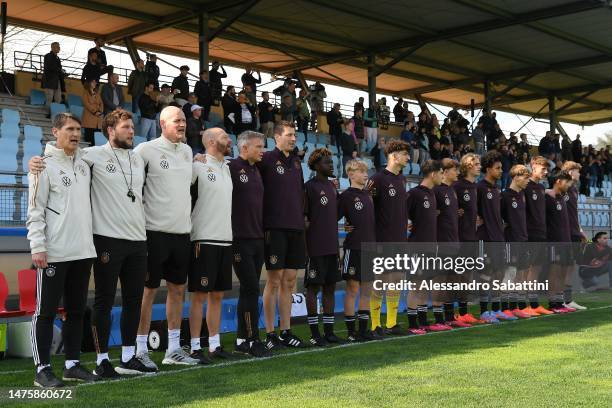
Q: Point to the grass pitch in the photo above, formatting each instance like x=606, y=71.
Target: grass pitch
x=554, y=361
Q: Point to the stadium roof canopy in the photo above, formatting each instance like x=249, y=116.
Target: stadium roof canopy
x=529, y=52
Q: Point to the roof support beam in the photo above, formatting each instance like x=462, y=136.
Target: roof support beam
x=109, y=9
x=398, y=58
x=575, y=101
x=232, y=19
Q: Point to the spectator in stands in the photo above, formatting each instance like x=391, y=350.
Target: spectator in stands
x=286, y=109
x=348, y=144
x=266, y=113
x=204, y=94
x=195, y=127
x=584, y=176
x=358, y=105
x=577, y=149
x=545, y=147
x=435, y=153
x=303, y=113
x=53, y=75
x=192, y=99
x=384, y=116
x=596, y=261
x=102, y=63
x=248, y=79
x=370, y=121
x=149, y=106
x=378, y=154
x=229, y=105
x=92, y=111
x=508, y=160
x=216, y=85
x=523, y=147
x=91, y=70
x=423, y=142
x=112, y=94
x=566, y=149
x=454, y=114
x=317, y=98
x=334, y=121
x=409, y=113
x=152, y=70
x=399, y=111
x=244, y=115
x=165, y=97
x=557, y=145
x=408, y=136
x=289, y=90
x=479, y=138
x=358, y=130
x=136, y=84
x=180, y=86
x=524, y=159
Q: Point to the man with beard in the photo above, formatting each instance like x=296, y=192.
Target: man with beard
x=211, y=271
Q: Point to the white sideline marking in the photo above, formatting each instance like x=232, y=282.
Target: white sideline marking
x=316, y=350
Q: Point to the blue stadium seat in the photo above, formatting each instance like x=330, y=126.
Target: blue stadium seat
x=99, y=139
x=300, y=137
x=74, y=100
x=37, y=97
x=333, y=148
x=31, y=148
x=235, y=151
x=407, y=170
x=136, y=118
x=234, y=139
x=10, y=116
x=32, y=133
x=77, y=111
x=305, y=172
x=127, y=106
x=57, y=108
x=270, y=143
x=416, y=169
x=344, y=183
x=8, y=154
x=215, y=118
x=9, y=131
x=138, y=140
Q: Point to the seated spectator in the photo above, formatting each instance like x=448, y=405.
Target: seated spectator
x=152, y=70
x=195, y=127
x=101, y=60
x=180, y=86
x=165, y=97
x=192, y=99
x=229, y=106
x=149, y=106
x=112, y=94
x=91, y=70
x=92, y=111
x=243, y=115
x=136, y=84
x=596, y=261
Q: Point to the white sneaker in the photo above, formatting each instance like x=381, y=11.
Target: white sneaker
x=178, y=357
x=575, y=305
x=145, y=359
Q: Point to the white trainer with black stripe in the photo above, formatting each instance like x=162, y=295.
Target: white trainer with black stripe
x=178, y=357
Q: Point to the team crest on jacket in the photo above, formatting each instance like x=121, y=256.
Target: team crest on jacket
x=110, y=167
x=66, y=181
x=50, y=271
x=104, y=257
x=351, y=271
x=559, y=206
x=392, y=191
x=566, y=197
x=489, y=195
x=447, y=201
x=426, y=204
x=204, y=281
x=244, y=178
x=312, y=273
x=514, y=204
x=81, y=169
x=358, y=205
x=534, y=196
x=466, y=196
x=280, y=169
x=212, y=177
x=324, y=200
x=273, y=259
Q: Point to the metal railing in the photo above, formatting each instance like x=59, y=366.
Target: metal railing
x=13, y=205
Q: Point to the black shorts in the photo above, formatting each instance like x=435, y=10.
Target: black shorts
x=560, y=253
x=538, y=251
x=211, y=268
x=322, y=270
x=168, y=258
x=494, y=255
x=285, y=249
x=517, y=254
x=351, y=265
